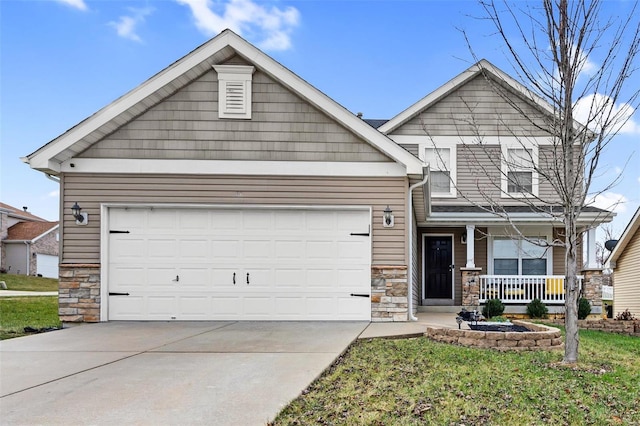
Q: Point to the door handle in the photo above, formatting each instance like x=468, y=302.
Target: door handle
x=177, y=279
x=234, y=278
x=452, y=267
x=247, y=278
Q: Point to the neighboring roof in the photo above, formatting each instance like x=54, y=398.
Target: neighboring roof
x=625, y=239
x=19, y=213
x=483, y=66
x=374, y=122
x=30, y=231
x=510, y=209
x=49, y=158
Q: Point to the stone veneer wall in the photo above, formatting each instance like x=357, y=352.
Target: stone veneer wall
x=79, y=293
x=471, y=288
x=541, y=338
x=632, y=328
x=389, y=293
x=592, y=289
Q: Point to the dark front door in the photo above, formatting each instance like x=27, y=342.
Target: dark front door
x=438, y=267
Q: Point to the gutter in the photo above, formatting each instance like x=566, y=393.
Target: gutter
x=425, y=174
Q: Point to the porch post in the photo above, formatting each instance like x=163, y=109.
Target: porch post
x=471, y=260
x=592, y=261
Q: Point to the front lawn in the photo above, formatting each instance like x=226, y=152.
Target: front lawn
x=418, y=381
x=27, y=283
x=35, y=312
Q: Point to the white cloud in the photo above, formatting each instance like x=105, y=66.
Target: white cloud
x=126, y=26
x=270, y=26
x=609, y=201
x=78, y=4
x=598, y=111
x=53, y=194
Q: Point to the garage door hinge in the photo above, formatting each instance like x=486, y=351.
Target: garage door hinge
x=359, y=295
x=362, y=234
x=118, y=294
x=118, y=232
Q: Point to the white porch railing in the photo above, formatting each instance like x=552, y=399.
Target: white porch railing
x=522, y=289
x=607, y=292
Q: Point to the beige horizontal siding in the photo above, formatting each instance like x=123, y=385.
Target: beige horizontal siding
x=283, y=127
x=626, y=279
x=475, y=109
x=81, y=244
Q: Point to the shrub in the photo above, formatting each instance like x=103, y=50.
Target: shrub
x=493, y=308
x=584, y=308
x=537, y=309
x=625, y=316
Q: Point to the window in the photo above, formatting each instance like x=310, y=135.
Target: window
x=440, y=165
x=234, y=91
x=519, y=175
x=519, y=256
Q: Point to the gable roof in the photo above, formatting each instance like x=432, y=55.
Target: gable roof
x=482, y=67
x=19, y=213
x=625, y=239
x=49, y=158
x=30, y=231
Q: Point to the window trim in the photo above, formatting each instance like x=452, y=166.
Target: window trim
x=505, y=169
x=453, y=164
x=241, y=76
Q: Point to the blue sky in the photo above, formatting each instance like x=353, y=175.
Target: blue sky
x=62, y=60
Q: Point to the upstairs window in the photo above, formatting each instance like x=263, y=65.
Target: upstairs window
x=519, y=177
x=234, y=91
x=441, y=164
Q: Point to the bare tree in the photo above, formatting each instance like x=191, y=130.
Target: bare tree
x=550, y=45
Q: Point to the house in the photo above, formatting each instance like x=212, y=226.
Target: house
x=29, y=244
x=625, y=262
x=227, y=187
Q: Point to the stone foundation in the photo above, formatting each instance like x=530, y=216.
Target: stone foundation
x=389, y=293
x=541, y=338
x=79, y=293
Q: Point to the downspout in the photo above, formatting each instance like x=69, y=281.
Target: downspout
x=425, y=173
x=28, y=258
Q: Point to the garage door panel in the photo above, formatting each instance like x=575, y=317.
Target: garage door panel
x=181, y=264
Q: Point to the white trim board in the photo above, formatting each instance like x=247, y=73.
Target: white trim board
x=228, y=167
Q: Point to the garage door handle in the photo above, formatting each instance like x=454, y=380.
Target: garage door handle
x=247, y=278
x=359, y=295
x=234, y=278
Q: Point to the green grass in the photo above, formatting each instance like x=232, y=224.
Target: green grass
x=27, y=283
x=418, y=381
x=16, y=313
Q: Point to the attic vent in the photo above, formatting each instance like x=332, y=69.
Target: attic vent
x=234, y=91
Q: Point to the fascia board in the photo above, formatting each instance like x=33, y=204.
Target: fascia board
x=431, y=98
x=625, y=238
x=43, y=156
x=45, y=233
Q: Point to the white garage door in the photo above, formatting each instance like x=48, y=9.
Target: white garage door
x=232, y=264
x=47, y=265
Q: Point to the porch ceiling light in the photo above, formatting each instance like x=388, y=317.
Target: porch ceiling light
x=387, y=217
x=81, y=218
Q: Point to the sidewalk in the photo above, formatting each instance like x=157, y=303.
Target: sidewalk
x=16, y=293
x=412, y=328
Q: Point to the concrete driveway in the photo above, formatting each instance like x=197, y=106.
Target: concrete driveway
x=222, y=373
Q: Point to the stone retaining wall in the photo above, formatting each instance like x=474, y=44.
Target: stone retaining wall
x=541, y=338
x=631, y=328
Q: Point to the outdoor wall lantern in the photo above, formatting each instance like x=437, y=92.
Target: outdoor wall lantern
x=81, y=218
x=387, y=218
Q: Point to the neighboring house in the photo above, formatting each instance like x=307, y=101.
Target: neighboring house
x=29, y=244
x=625, y=262
x=226, y=187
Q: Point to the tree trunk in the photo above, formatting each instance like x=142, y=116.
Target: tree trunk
x=572, y=339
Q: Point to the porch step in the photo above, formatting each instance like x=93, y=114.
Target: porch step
x=440, y=309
